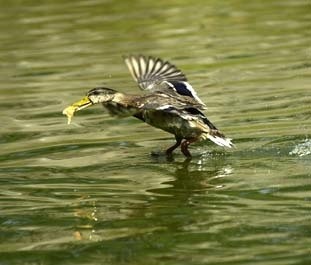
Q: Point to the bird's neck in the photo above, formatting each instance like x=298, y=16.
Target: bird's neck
x=118, y=97
x=124, y=99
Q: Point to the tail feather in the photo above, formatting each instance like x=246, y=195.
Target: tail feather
x=222, y=141
x=218, y=138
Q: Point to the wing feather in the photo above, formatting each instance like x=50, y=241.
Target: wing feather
x=148, y=71
x=154, y=74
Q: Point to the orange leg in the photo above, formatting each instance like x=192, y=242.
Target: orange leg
x=184, y=146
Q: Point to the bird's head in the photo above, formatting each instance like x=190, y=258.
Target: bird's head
x=101, y=95
x=94, y=96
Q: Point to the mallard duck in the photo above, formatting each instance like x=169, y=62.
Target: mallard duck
x=170, y=103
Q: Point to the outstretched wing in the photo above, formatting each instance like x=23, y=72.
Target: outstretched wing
x=148, y=71
x=155, y=74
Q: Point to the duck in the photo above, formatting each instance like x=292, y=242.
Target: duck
x=169, y=103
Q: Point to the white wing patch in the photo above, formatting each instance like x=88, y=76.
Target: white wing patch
x=164, y=107
x=185, y=89
x=194, y=94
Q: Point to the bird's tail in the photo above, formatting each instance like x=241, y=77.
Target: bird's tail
x=216, y=136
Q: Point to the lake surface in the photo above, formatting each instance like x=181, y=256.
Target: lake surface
x=91, y=193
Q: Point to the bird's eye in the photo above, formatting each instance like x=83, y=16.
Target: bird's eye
x=93, y=93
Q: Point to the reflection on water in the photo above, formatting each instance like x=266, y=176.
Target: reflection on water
x=92, y=193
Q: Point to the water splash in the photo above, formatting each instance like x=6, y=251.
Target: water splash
x=302, y=149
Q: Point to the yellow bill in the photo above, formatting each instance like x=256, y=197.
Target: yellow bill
x=69, y=111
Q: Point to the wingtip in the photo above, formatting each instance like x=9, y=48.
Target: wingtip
x=135, y=56
x=149, y=70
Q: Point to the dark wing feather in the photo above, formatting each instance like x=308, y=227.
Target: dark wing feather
x=199, y=114
x=159, y=100
x=157, y=75
x=149, y=71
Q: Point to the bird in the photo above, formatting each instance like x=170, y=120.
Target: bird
x=169, y=103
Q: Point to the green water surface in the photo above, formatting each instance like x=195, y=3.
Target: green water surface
x=91, y=193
